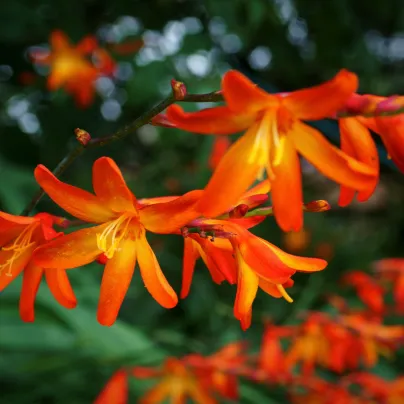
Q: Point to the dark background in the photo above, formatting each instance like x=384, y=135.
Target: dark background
x=65, y=356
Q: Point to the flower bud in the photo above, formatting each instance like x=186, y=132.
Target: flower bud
x=179, y=90
x=82, y=136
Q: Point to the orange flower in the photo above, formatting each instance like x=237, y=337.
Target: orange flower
x=271, y=360
x=217, y=252
x=219, y=372
x=389, y=128
x=120, y=234
x=177, y=384
x=71, y=67
x=19, y=237
x=394, y=269
x=311, y=345
x=261, y=265
x=367, y=288
x=116, y=389
x=382, y=391
x=372, y=338
x=357, y=142
x=275, y=136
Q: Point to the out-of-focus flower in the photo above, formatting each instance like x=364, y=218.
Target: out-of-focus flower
x=19, y=237
x=72, y=68
x=296, y=241
x=393, y=269
x=120, y=234
x=381, y=390
x=116, y=391
x=219, y=372
x=372, y=339
x=368, y=289
x=319, y=391
x=276, y=134
x=271, y=358
x=177, y=383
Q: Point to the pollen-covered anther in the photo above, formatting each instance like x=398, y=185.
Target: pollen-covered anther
x=18, y=247
x=123, y=227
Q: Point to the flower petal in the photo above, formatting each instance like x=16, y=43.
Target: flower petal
x=153, y=277
x=247, y=287
x=302, y=264
x=271, y=289
x=169, y=217
x=12, y=225
x=110, y=186
x=324, y=100
x=261, y=188
x=59, y=41
x=60, y=287
x=116, y=391
x=331, y=161
x=219, y=261
x=11, y=264
x=158, y=393
x=188, y=265
x=30, y=284
x=263, y=260
x=357, y=142
x=237, y=170
x=210, y=121
x=287, y=195
x=115, y=282
x=70, y=251
x=76, y=201
x=243, y=96
x=391, y=130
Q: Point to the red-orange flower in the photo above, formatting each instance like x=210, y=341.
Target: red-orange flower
x=71, y=67
x=19, y=237
x=389, y=128
x=120, y=234
x=116, y=391
x=219, y=372
x=275, y=136
x=367, y=288
x=393, y=268
x=357, y=142
x=271, y=359
x=177, y=383
x=261, y=265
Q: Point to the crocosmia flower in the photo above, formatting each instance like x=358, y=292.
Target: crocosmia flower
x=19, y=237
x=120, y=234
x=71, y=66
x=276, y=135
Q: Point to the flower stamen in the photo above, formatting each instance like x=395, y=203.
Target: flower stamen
x=283, y=292
x=109, y=239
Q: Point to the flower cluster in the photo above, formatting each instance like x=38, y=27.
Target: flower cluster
x=291, y=357
x=215, y=222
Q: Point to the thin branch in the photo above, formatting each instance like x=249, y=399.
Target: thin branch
x=142, y=120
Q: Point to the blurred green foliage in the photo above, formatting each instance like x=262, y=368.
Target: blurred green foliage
x=65, y=356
